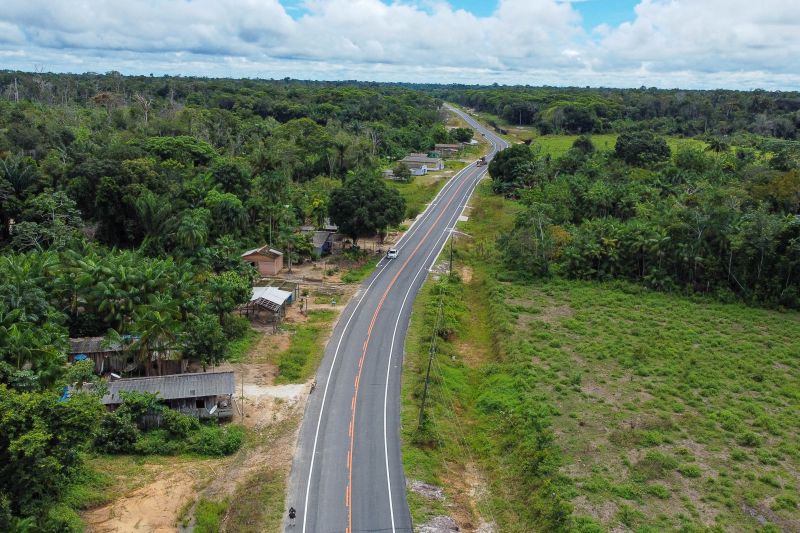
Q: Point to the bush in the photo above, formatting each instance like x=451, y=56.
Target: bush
x=215, y=440
x=208, y=515
x=60, y=519
x=178, y=424
x=690, y=471
x=118, y=434
x=157, y=442
x=236, y=327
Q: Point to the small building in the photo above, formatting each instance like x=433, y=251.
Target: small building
x=107, y=356
x=267, y=304
x=322, y=242
x=202, y=394
x=388, y=174
x=448, y=150
x=266, y=260
x=415, y=162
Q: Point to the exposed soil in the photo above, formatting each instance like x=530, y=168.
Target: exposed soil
x=154, y=506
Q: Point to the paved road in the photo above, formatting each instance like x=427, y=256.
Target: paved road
x=347, y=474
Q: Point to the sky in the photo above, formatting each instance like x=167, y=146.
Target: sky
x=737, y=44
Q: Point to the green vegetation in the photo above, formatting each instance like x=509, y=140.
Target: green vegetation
x=258, y=503
x=694, y=221
x=208, y=516
x=637, y=408
x=361, y=272
x=305, y=351
x=418, y=193
x=124, y=208
x=573, y=110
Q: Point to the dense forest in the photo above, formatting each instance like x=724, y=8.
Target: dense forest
x=669, y=112
x=721, y=220
x=125, y=203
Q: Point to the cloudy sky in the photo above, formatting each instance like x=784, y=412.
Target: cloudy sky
x=622, y=43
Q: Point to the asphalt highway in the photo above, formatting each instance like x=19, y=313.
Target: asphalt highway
x=347, y=474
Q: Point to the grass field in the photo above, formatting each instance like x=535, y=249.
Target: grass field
x=558, y=145
x=419, y=192
x=649, y=411
x=300, y=360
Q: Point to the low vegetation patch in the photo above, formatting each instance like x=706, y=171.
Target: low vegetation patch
x=299, y=361
x=599, y=406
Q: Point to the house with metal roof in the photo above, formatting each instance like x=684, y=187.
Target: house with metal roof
x=107, y=356
x=420, y=164
x=202, y=394
x=266, y=260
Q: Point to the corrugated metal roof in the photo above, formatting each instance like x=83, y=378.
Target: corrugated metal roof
x=264, y=250
x=271, y=294
x=92, y=345
x=174, y=387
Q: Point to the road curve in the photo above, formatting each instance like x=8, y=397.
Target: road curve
x=347, y=474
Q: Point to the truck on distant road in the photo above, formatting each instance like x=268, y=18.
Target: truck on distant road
x=481, y=161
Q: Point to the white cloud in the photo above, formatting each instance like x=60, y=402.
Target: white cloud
x=690, y=43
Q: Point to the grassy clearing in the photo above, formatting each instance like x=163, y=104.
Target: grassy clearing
x=419, y=192
x=362, y=272
x=257, y=505
x=298, y=363
x=208, y=516
x=558, y=145
x=241, y=347
x=644, y=411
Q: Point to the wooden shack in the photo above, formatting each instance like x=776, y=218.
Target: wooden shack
x=202, y=394
x=107, y=356
x=266, y=260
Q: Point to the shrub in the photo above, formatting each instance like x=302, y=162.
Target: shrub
x=690, y=471
x=178, y=424
x=60, y=519
x=118, y=434
x=654, y=465
x=215, y=440
x=659, y=491
x=156, y=442
x=208, y=515
x=749, y=439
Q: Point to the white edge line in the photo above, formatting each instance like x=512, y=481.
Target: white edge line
x=325, y=393
x=467, y=194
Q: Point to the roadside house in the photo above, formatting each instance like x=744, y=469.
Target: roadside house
x=415, y=162
x=322, y=242
x=267, y=304
x=267, y=261
x=202, y=394
x=448, y=150
x=107, y=357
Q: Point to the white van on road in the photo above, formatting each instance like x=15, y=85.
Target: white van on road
x=392, y=254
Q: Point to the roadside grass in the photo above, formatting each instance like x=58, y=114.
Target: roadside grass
x=361, y=272
x=419, y=192
x=298, y=363
x=665, y=412
x=241, y=347
x=208, y=516
x=257, y=505
x=558, y=145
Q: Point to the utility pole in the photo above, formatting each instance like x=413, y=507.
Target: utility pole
x=452, y=236
x=242, y=398
x=431, y=353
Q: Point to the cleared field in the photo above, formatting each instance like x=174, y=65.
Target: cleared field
x=619, y=408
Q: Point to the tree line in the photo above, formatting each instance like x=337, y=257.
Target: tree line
x=125, y=203
x=718, y=220
x=554, y=110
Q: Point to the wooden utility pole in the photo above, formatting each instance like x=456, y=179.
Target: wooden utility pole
x=452, y=236
x=431, y=353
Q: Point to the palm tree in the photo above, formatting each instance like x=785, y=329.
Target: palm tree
x=156, y=327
